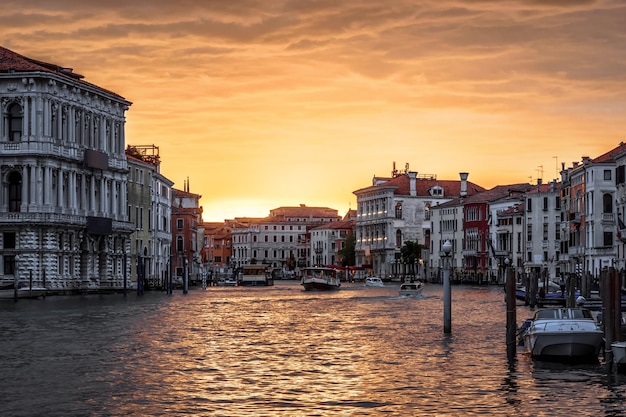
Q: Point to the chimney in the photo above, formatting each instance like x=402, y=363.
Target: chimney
x=412, y=184
x=463, y=176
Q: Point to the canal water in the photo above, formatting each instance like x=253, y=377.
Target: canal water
x=279, y=351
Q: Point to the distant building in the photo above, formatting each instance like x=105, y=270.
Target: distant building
x=396, y=209
x=281, y=239
x=63, y=217
x=217, y=245
x=592, y=203
x=542, y=230
x=328, y=239
x=150, y=210
x=470, y=224
x=186, y=218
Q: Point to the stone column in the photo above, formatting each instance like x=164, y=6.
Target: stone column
x=92, y=194
x=25, y=119
x=47, y=185
x=60, y=200
x=25, y=184
x=83, y=195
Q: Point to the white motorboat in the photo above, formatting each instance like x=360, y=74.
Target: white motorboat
x=619, y=353
x=23, y=291
x=411, y=289
x=374, y=282
x=227, y=282
x=320, y=278
x=563, y=333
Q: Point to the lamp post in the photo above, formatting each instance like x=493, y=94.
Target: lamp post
x=447, y=299
x=15, y=277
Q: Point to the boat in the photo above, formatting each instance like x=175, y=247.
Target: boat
x=320, y=278
x=563, y=333
x=255, y=275
x=619, y=353
x=411, y=289
x=374, y=282
x=227, y=282
x=23, y=291
x=554, y=291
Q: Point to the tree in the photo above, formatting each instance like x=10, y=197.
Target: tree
x=347, y=255
x=291, y=262
x=411, y=251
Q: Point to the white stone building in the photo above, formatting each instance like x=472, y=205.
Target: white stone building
x=395, y=210
x=63, y=216
x=328, y=239
x=543, y=230
x=281, y=237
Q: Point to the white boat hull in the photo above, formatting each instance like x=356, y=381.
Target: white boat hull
x=563, y=333
x=315, y=284
x=566, y=345
x=411, y=289
x=410, y=293
x=619, y=353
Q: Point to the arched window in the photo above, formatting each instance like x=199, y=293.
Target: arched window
x=607, y=203
x=15, y=122
x=179, y=244
x=15, y=191
x=398, y=210
x=398, y=238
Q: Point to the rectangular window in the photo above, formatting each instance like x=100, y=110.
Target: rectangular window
x=545, y=203
x=529, y=205
x=607, y=174
x=9, y=264
x=8, y=239
x=608, y=238
x=529, y=233
x=179, y=224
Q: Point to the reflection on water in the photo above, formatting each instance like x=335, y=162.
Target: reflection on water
x=279, y=351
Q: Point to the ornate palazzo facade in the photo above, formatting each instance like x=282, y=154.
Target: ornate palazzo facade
x=63, y=208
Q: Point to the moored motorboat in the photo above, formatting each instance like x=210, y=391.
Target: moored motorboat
x=23, y=291
x=563, y=333
x=320, y=278
x=374, y=282
x=411, y=289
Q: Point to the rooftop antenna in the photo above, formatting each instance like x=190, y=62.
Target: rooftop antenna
x=556, y=167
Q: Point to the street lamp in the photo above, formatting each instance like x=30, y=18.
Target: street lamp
x=15, y=277
x=447, y=299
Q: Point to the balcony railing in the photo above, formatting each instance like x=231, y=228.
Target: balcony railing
x=608, y=218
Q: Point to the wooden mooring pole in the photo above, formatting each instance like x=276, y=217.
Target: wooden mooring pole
x=511, y=315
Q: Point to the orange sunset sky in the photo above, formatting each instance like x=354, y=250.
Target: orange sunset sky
x=269, y=103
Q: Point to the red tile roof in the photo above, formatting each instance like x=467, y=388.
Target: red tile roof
x=303, y=211
x=342, y=224
x=451, y=188
x=608, y=157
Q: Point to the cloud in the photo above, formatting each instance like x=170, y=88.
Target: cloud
x=270, y=84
